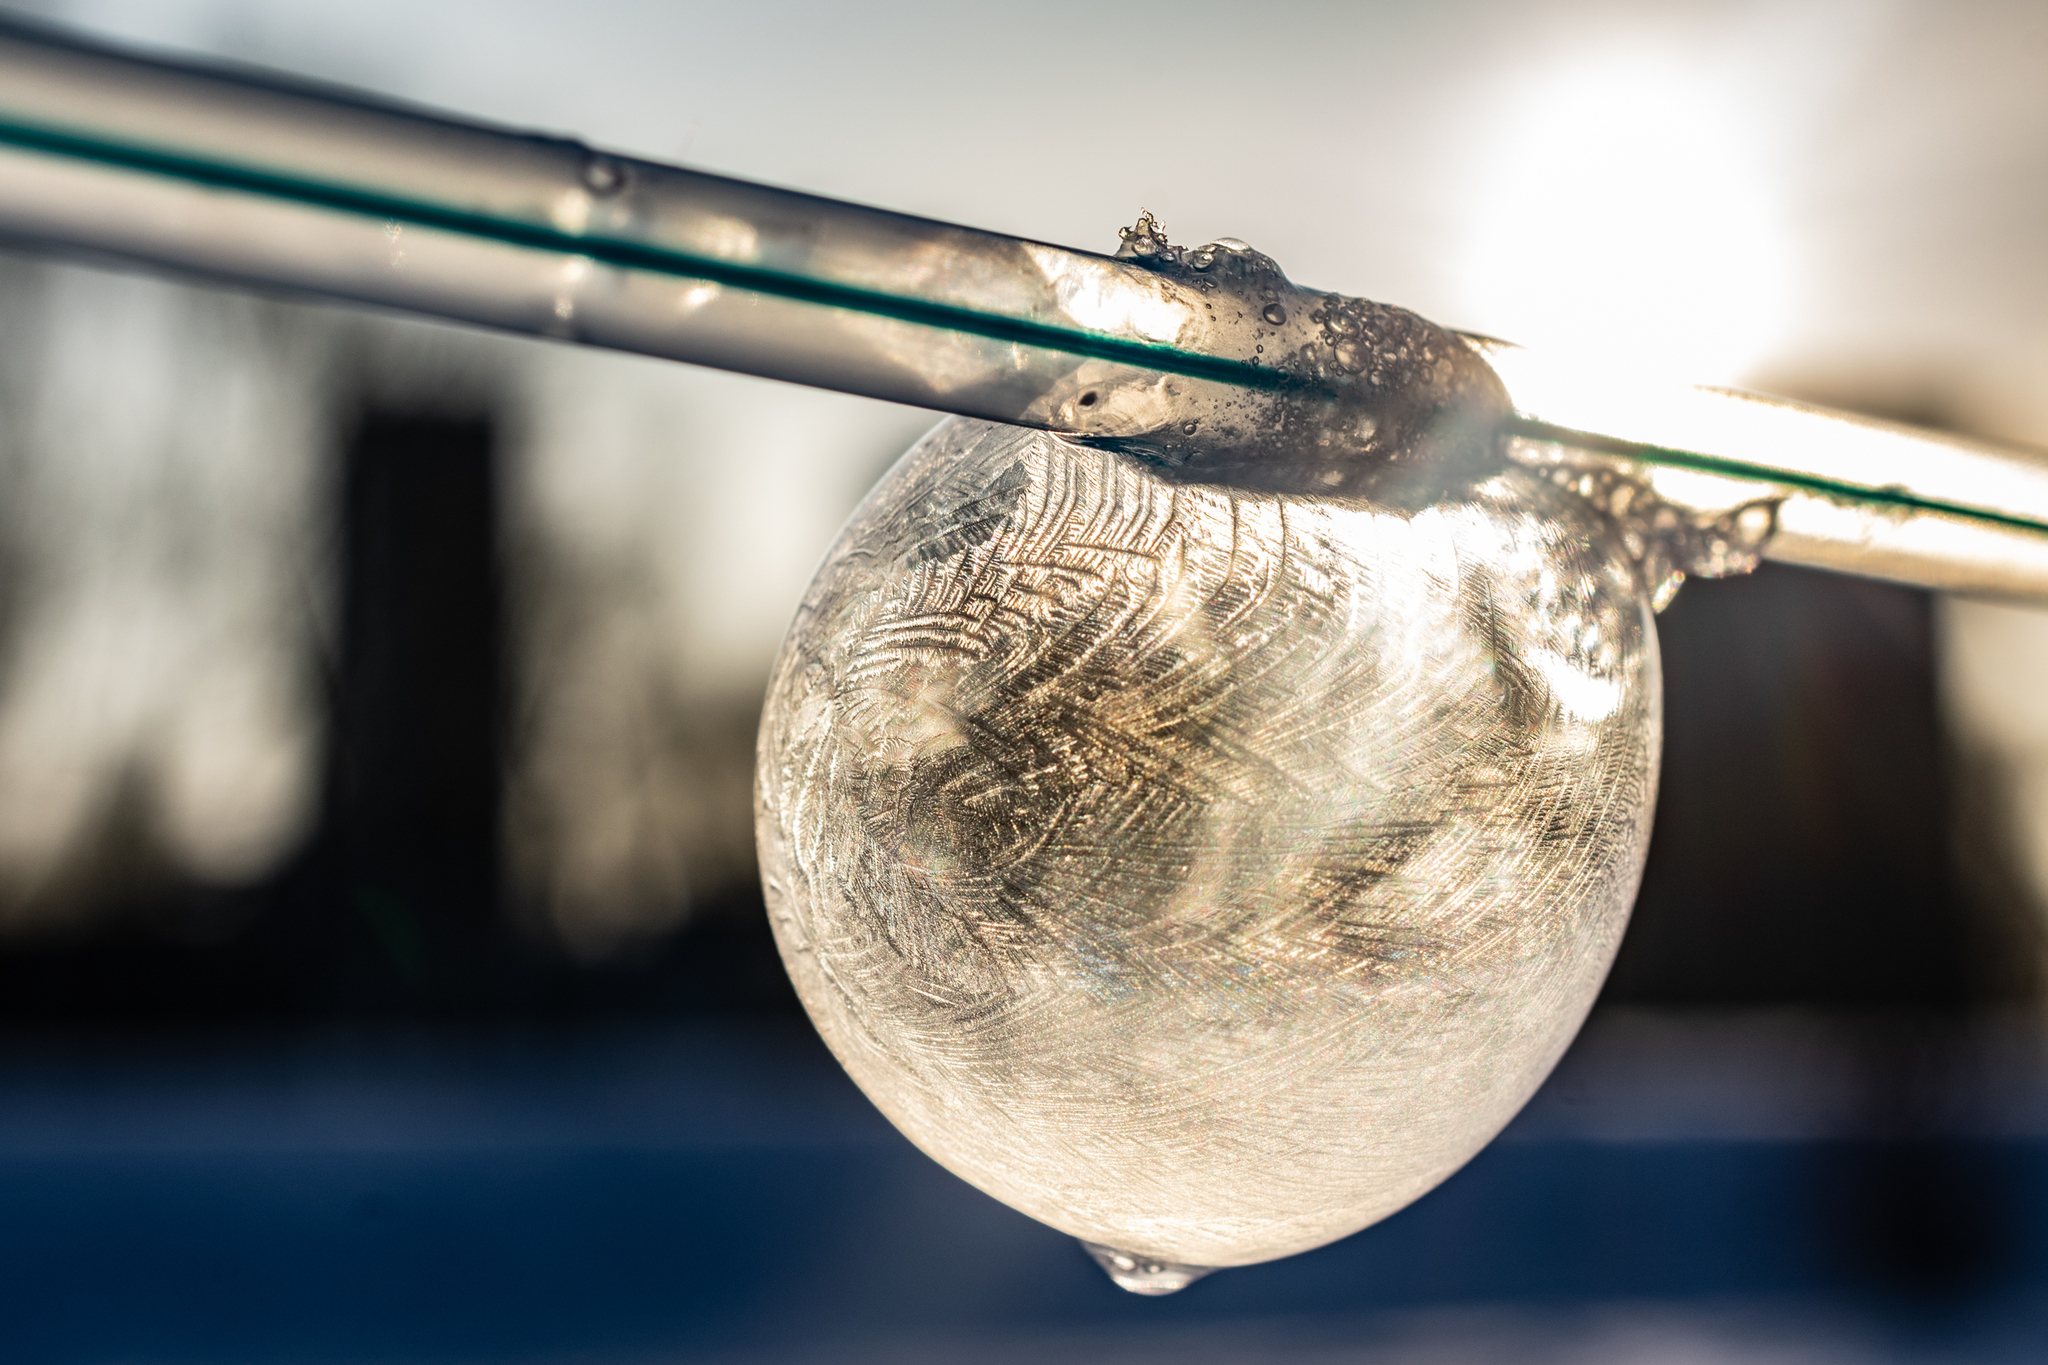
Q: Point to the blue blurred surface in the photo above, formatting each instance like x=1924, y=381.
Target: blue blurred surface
x=723, y=1192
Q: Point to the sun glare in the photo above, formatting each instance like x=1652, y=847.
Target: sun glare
x=1626, y=212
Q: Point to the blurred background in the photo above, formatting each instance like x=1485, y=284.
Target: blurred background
x=383, y=974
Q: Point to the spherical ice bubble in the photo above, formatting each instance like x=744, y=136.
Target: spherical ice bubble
x=1205, y=873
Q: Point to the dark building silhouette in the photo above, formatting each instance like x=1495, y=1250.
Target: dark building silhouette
x=399, y=892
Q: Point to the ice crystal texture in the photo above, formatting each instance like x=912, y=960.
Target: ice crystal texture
x=1207, y=873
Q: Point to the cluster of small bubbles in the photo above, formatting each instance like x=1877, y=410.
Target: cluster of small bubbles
x=1348, y=332
x=1733, y=544
x=1359, y=432
x=1666, y=544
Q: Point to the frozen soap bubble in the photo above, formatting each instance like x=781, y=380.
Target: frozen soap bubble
x=1203, y=869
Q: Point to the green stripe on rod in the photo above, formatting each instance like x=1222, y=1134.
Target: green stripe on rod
x=1901, y=498
x=641, y=256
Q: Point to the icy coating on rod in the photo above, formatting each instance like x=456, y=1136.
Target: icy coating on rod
x=1204, y=862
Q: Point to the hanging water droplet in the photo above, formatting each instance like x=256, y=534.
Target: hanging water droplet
x=1144, y=1274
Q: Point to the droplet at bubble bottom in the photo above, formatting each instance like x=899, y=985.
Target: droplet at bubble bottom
x=1205, y=870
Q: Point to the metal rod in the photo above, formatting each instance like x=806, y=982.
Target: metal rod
x=260, y=180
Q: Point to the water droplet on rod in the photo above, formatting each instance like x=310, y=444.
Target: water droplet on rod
x=604, y=176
